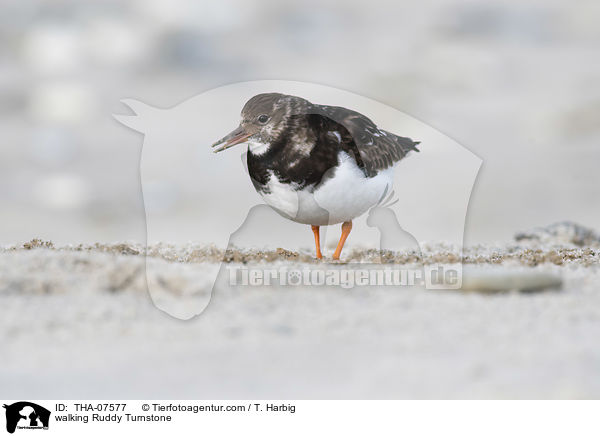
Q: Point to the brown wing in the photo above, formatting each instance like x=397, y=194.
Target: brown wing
x=377, y=148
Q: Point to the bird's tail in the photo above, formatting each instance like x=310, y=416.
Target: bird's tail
x=407, y=144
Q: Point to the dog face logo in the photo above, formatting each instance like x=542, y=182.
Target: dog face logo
x=26, y=415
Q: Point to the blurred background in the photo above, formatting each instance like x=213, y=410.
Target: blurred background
x=516, y=82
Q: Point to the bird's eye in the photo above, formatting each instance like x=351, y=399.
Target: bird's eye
x=263, y=119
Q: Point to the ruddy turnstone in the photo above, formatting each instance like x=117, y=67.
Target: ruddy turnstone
x=315, y=164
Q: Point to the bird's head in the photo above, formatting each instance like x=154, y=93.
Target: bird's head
x=264, y=119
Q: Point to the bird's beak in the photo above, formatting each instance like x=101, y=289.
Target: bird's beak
x=238, y=136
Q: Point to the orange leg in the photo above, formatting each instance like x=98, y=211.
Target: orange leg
x=315, y=230
x=346, y=227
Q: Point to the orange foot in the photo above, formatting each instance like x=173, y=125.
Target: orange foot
x=315, y=230
x=346, y=227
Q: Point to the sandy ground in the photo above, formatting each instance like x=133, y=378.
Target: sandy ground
x=77, y=322
x=514, y=82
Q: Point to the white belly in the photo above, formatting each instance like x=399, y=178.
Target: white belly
x=343, y=197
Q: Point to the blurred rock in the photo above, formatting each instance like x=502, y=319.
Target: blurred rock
x=52, y=49
x=62, y=102
x=62, y=191
x=565, y=232
x=497, y=279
